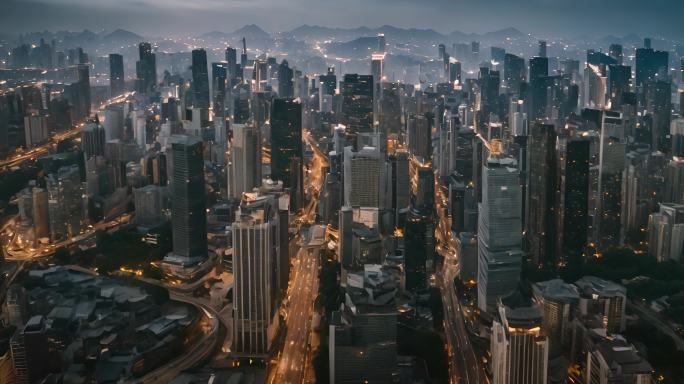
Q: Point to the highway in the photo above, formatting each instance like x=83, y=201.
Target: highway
x=464, y=365
x=45, y=148
x=296, y=356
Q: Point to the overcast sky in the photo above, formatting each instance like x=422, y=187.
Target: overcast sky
x=658, y=18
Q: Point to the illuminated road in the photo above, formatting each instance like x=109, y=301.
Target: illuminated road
x=43, y=149
x=296, y=355
x=464, y=366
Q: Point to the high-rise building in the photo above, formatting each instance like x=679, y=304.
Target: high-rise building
x=116, y=75
x=148, y=205
x=357, y=104
x=514, y=73
x=666, y=233
x=419, y=249
x=200, y=79
x=231, y=59
x=573, y=205
x=616, y=361
x=604, y=300
x=542, y=48
x=286, y=148
x=499, y=232
x=615, y=51
x=519, y=348
x=219, y=84
x=362, y=172
x=35, y=130
x=188, y=201
x=30, y=351
x=245, y=154
x=674, y=181
x=557, y=301
x=40, y=211
x=607, y=222
x=537, y=95
x=540, y=225
x=114, y=122
x=677, y=137
x=420, y=137
x=146, y=69
x=93, y=139
x=285, y=80
x=255, y=252
x=65, y=204
x=649, y=64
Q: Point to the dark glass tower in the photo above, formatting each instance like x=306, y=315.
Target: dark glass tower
x=285, y=83
x=357, y=103
x=286, y=147
x=188, y=210
x=146, y=69
x=116, y=74
x=200, y=79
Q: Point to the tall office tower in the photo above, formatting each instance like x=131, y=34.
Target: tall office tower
x=200, y=79
x=148, y=205
x=619, y=77
x=255, y=253
x=382, y=42
x=146, y=69
x=612, y=146
x=363, y=342
x=40, y=210
x=243, y=55
x=286, y=148
x=390, y=109
x=362, y=173
x=35, y=130
x=285, y=80
x=378, y=68
x=499, y=232
x=114, y=122
x=542, y=48
x=420, y=137
x=519, y=348
x=401, y=185
x=328, y=82
x=649, y=64
x=419, y=249
x=116, y=75
x=557, y=301
x=514, y=73
x=615, y=51
x=357, y=104
x=537, y=95
x=604, y=300
x=677, y=137
x=441, y=51
x=573, y=205
x=245, y=154
x=78, y=93
x=660, y=105
x=260, y=75
x=666, y=233
x=614, y=360
x=540, y=225
x=30, y=351
x=65, y=204
x=455, y=69
x=423, y=192
x=231, y=59
x=219, y=85
x=674, y=181
x=93, y=140
x=489, y=83
x=344, y=247
x=188, y=201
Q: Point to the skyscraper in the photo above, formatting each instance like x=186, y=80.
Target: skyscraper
x=219, y=84
x=541, y=194
x=188, y=201
x=255, y=247
x=65, y=204
x=146, y=69
x=519, y=349
x=357, y=104
x=285, y=80
x=93, y=140
x=286, y=147
x=231, y=59
x=499, y=232
x=200, y=79
x=116, y=75
x=245, y=168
